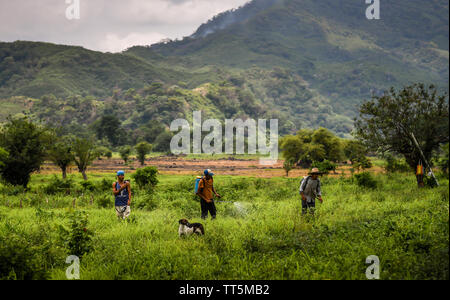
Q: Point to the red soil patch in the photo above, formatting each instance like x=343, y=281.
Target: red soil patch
x=181, y=166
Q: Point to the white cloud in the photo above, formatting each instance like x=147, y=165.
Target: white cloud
x=107, y=25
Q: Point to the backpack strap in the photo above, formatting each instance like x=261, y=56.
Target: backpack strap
x=304, y=182
x=204, y=181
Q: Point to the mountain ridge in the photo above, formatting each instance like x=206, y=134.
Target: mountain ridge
x=309, y=62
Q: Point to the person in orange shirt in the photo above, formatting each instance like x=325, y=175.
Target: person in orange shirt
x=205, y=192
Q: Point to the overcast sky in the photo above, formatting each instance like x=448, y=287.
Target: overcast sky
x=106, y=25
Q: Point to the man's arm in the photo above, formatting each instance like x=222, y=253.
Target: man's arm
x=215, y=193
x=117, y=192
x=319, y=192
x=201, y=196
x=302, y=188
x=129, y=193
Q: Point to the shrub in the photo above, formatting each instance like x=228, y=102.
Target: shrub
x=104, y=201
x=88, y=186
x=104, y=185
x=362, y=162
x=20, y=260
x=57, y=185
x=142, y=150
x=325, y=166
x=103, y=152
x=146, y=178
x=11, y=190
x=366, y=179
x=396, y=165
x=288, y=166
x=125, y=153
x=26, y=144
x=78, y=238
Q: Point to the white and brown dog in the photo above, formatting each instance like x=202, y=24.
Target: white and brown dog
x=187, y=228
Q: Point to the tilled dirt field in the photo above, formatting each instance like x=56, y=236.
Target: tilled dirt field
x=182, y=166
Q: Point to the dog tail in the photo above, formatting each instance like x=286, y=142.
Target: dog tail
x=202, y=229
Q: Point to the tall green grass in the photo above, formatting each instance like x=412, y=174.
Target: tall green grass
x=259, y=233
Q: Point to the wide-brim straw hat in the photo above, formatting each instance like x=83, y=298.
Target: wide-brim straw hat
x=315, y=171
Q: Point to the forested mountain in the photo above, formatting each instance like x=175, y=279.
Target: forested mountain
x=308, y=63
x=331, y=44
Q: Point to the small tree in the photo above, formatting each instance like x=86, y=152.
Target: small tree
x=60, y=153
x=330, y=143
x=354, y=150
x=26, y=145
x=84, y=154
x=146, y=178
x=125, y=153
x=325, y=166
x=162, y=142
x=288, y=166
x=362, y=163
x=292, y=147
x=108, y=127
x=104, y=152
x=394, y=164
x=308, y=146
x=398, y=121
x=142, y=150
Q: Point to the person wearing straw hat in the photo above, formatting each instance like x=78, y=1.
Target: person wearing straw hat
x=122, y=193
x=310, y=189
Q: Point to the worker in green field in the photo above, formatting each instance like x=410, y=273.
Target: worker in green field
x=205, y=192
x=122, y=193
x=310, y=189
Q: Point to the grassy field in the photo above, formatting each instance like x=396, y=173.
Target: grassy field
x=259, y=234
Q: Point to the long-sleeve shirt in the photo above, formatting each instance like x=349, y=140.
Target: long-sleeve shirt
x=310, y=188
x=205, y=187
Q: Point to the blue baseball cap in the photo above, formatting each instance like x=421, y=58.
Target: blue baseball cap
x=121, y=173
x=209, y=172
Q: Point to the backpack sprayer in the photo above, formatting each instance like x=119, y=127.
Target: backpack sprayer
x=197, y=182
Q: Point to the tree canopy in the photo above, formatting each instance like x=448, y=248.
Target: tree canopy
x=60, y=153
x=142, y=149
x=391, y=122
x=309, y=146
x=26, y=144
x=84, y=154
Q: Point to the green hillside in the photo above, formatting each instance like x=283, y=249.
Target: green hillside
x=307, y=63
x=36, y=69
x=329, y=43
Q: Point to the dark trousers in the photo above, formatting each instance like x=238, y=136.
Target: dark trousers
x=308, y=206
x=208, y=207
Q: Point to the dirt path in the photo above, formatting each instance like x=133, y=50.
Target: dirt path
x=181, y=166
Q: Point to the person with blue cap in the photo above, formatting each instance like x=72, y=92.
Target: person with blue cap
x=122, y=193
x=205, y=192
